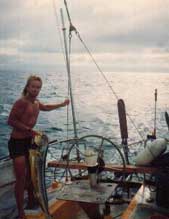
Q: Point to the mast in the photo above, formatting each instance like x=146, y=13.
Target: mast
x=69, y=74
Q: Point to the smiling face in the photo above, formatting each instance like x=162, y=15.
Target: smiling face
x=33, y=88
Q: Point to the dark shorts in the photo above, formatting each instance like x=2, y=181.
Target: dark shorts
x=19, y=147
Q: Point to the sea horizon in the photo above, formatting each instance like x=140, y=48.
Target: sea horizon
x=95, y=104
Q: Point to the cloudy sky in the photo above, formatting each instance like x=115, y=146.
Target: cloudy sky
x=123, y=35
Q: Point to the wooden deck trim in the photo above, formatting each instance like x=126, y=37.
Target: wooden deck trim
x=108, y=167
x=141, y=197
x=134, y=202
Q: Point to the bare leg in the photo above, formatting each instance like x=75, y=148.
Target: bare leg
x=20, y=174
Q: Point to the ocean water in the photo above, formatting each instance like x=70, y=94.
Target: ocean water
x=95, y=104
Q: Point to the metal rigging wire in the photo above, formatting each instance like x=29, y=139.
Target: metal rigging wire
x=58, y=28
x=72, y=28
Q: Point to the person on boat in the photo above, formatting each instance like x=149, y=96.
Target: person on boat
x=22, y=119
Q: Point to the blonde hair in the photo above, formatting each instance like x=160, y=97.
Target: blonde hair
x=29, y=80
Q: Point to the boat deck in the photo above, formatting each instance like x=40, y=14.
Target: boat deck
x=143, y=206
x=139, y=208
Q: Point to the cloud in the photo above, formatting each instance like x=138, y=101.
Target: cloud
x=30, y=28
x=130, y=22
